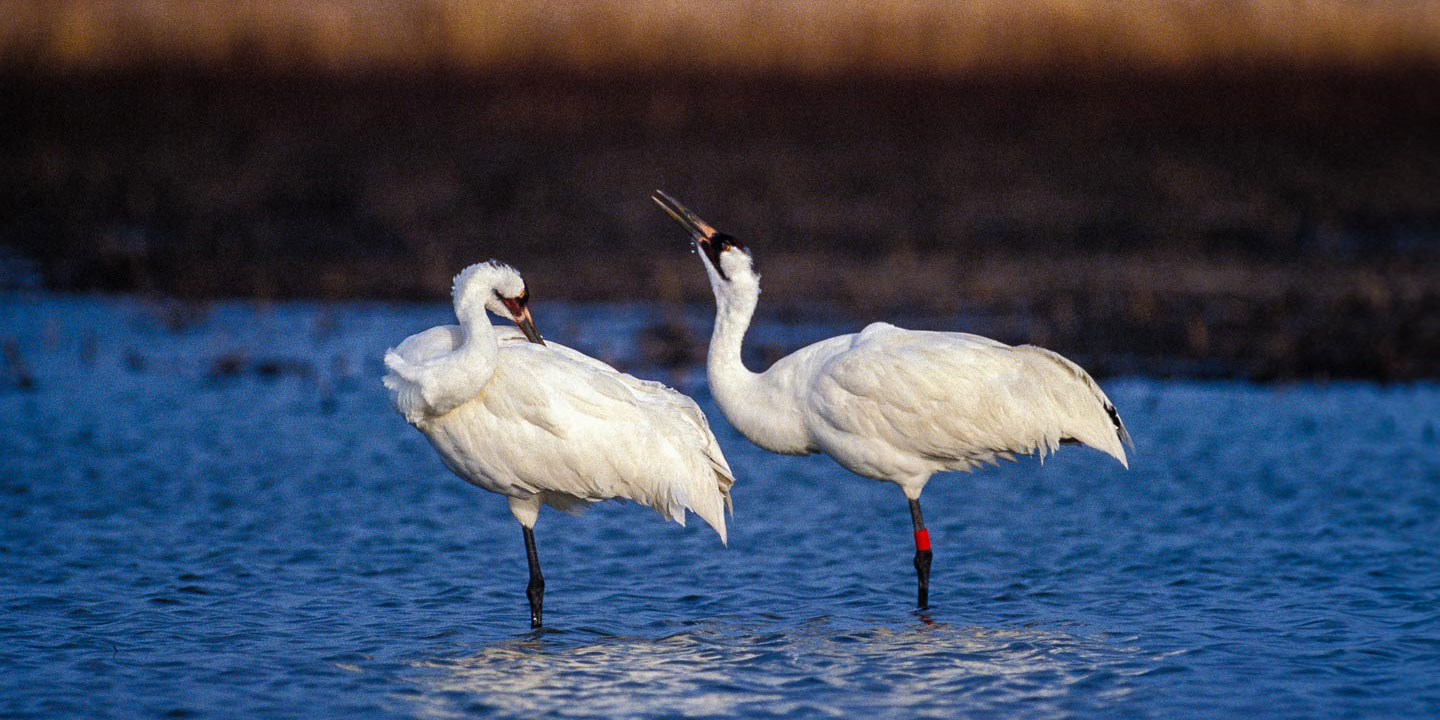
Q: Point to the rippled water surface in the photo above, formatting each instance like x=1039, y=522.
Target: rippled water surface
x=219, y=515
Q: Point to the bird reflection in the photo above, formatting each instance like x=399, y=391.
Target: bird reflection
x=823, y=666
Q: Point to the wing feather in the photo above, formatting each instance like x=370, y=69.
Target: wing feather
x=956, y=398
x=420, y=381
x=556, y=422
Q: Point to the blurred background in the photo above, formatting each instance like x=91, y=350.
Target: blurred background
x=1235, y=189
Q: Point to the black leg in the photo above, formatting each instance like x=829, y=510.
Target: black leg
x=536, y=590
x=922, y=555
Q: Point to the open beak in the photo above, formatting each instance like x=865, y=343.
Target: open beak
x=527, y=326
x=699, y=230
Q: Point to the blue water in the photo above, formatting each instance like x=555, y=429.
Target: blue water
x=216, y=514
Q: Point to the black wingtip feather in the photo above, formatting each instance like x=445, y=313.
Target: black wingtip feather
x=1119, y=426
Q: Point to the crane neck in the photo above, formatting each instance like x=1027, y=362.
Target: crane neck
x=750, y=401
x=734, y=308
x=472, y=364
x=480, y=343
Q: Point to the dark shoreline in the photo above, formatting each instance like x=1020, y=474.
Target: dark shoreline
x=1149, y=317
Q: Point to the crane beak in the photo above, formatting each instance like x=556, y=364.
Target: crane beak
x=527, y=326
x=699, y=230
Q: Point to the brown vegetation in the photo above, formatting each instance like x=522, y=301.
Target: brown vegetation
x=835, y=38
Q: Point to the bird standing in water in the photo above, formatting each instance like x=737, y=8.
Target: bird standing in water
x=893, y=404
x=543, y=424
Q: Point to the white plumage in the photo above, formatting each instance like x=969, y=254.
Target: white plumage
x=541, y=423
x=893, y=404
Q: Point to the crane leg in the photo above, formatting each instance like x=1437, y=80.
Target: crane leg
x=922, y=554
x=536, y=590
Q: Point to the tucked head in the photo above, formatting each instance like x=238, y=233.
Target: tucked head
x=497, y=287
x=726, y=258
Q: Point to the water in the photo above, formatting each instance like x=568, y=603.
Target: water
x=223, y=518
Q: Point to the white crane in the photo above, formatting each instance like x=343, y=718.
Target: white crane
x=893, y=404
x=543, y=424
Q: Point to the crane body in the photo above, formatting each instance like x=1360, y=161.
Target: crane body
x=543, y=424
x=893, y=404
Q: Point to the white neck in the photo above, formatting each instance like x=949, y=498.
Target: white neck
x=734, y=306
x=466, y=371
x=480, y=350
x=753, y=402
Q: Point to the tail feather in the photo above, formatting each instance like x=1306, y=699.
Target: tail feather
x=705, y=492
x=1114, y=438
x=713, y=507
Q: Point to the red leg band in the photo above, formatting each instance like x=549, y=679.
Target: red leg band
x=922, y=540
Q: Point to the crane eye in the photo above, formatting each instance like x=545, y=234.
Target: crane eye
x=520, y=300
x=725, y=241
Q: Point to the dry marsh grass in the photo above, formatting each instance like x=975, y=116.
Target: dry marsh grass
x=840, y=37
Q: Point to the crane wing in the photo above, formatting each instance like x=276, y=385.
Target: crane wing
x=418, y=377
x=424, y=383
x=665, y=400
x=955, y=398
x=601, y=434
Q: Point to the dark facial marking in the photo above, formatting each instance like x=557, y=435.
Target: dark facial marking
x=515, y=304
x=719, y=243
x=726, y=241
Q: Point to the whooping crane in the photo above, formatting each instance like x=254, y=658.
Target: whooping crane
x=893, y=404
x=543, y=424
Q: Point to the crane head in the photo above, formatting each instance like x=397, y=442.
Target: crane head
x=519, y=309
x=713, y=243
x=498, y=288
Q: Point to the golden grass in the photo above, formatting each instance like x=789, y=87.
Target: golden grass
x=928, y=37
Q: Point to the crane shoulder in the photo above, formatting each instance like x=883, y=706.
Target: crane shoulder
x=887, y=361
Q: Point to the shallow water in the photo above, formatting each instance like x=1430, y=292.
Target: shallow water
x=226, y=519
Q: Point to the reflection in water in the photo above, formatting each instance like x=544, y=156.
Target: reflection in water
x=813, y=669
